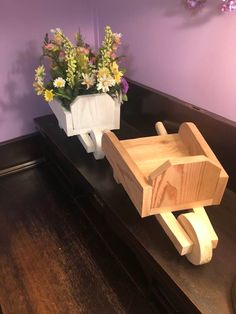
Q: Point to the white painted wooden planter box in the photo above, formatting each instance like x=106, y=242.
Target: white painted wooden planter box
x=88, y=117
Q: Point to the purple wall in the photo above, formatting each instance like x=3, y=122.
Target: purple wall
x=189, y=56
x=22, y=28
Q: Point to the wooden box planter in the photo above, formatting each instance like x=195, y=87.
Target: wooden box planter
x=167, y=173
x=88, y=117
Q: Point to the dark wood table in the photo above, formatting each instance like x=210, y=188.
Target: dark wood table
x=172, y=281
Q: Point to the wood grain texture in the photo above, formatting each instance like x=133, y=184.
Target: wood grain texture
x=20, y=150
x=181, y=170
x=183, y=181
x=201, y=252
x=160, y=128
x=127, y=173
x=150, y=152
x=197, y=145
x=51, y=261
x=175, y=232
x=200, y=211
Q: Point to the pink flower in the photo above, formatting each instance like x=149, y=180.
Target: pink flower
x=113, y=55
x=117, y=38
x=61, y=56
x=92, y=60
x=50, y=47
x=83, y=50
x=114, y=46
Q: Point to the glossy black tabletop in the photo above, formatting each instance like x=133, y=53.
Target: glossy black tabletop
x=208, y=286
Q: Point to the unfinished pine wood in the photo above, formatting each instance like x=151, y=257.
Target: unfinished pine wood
x=196, y=144
x=202, y=245
x=160, y=128
x=127, y=173
x=200, y=211
x=169, y=145
x=150, y=152
x=183, y=180
x=175, y=232
x=116, y=178
x=179, y=169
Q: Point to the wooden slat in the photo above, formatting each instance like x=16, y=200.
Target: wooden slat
x=196, y=144
x=200, y=211
x=155, y=147
x=127, y=172
x=160, y=128
x=198, y=232
x=184, y=180
x=175, y=232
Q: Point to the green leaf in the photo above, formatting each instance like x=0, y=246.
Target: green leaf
x=62, y=96
x=124, y=97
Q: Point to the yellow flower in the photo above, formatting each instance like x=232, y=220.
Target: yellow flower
x=71, y=66
x=114, y=67
x=103, y=72
x=115, y=70
x=82, y=61
x=48, y=95
x=118, y=76
x=40, y=72
x=39, y=88
x=57, y=38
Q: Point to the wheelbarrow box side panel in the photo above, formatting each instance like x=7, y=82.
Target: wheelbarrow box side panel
x=63, y=116
x=127, y=173
x=185, y=180
x=196, y=144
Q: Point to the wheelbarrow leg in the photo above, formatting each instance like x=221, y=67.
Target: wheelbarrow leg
x=192, y=233
x=87, y=142
x=92, y=143
x=96, y=136
x=175, y=232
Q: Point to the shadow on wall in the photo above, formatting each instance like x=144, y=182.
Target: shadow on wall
x=148, y=22
x=192, y=17
x=209, y=10
x=166, y=8
x=19, y=103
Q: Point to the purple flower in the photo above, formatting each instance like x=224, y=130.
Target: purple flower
x=124, y=85
x=228, y=5
x=193, y=4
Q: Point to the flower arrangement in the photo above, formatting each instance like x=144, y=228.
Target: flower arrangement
x=225, y=6
x=78, y=70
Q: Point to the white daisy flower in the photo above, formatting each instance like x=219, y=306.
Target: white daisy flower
x=89, y=80
x=59, y=82
x=57, y=29
x=117, y=37
x=104, y=82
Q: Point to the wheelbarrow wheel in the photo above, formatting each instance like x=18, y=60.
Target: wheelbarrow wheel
x=201, y=252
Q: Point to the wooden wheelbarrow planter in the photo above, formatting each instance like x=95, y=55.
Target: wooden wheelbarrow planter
x=172, y=172
x=88, y=117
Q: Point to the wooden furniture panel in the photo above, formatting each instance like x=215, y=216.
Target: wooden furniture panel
x=170, y=279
